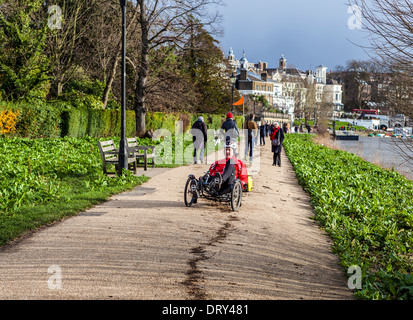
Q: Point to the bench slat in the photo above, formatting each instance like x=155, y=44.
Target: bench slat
x=105, y=143
x=110, y=155
x=141, y=152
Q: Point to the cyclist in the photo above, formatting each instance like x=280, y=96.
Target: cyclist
x=229, y=169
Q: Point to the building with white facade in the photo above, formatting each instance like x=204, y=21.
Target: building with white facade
x=321, y=74
x=334, y=94
x=286, y=87
x=234, y=63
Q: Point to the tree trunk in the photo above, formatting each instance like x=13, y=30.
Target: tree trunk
x=59, y=88
x=109, y=82
x=140, y=123
x=139, y=107
x=112, y=73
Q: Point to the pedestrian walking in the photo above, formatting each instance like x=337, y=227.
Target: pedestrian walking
x=267, y=129
x=257, y=136
x=200, y=137
x=229, y=128
x=277, y=138
x=271, y=130
x=263, y=133
x=251, y=126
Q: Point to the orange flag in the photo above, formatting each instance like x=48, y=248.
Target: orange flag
x=240, y=102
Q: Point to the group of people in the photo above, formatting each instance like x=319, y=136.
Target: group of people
x=275, y=132
x=300, y=128
x=265, y=130
x=230, y=168
x=230, y=130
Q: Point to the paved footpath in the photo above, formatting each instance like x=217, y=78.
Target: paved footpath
x=145, y=244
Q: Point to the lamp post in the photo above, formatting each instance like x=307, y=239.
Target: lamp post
x=233, y=80
x=123, y=156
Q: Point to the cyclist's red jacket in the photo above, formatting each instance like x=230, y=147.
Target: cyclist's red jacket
x=241, y=172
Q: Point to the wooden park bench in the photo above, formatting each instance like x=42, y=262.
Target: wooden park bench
x=110, y=155
x=141, y=153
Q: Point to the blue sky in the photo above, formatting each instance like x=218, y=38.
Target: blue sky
x=307, y=32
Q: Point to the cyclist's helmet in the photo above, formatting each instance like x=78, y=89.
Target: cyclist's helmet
x=230, y=144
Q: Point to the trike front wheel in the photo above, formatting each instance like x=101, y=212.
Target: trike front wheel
x=190, y=195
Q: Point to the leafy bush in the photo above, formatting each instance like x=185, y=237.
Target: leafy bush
x=215, y=121
x=32, y=170
x=86, y=94
x=61, y=118
x=161, y=120
x=35, y=120
x=8, y=121
x=368, y=211
x=23, y=65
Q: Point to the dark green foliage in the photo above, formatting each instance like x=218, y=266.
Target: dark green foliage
x=58, y=119
x=97, y=123
x=368, y=212
x=44, y=180
x=36, y=120
x=86, y=94
x=23, y=64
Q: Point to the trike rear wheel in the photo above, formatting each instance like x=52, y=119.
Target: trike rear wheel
x=236, y=196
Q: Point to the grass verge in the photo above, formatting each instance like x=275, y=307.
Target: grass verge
x=75, y=197
x=45, y=180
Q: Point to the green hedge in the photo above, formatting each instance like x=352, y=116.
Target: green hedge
x=95, y=123
x=35, y=120
x=59, y=119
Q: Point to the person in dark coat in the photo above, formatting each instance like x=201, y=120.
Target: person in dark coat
x=263, y=133
x=200, y=137
x=276, y=149
x=229, y=128
x=271, y=129
x=251, y=126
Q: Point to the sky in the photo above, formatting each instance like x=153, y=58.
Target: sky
x=308, y=32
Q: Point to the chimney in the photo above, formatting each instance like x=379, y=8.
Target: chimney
x=243, y=75
x=264, y=76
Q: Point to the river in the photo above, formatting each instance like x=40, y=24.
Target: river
x=386, y=152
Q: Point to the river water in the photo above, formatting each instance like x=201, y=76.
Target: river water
x=386, y=152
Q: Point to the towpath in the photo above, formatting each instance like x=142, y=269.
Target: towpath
x=145, y=244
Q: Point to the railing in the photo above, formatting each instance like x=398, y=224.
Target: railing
x=276, y=116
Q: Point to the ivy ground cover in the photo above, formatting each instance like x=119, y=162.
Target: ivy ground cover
x=44, y=180
x=366, y=210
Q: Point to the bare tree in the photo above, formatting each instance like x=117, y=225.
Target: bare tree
x=389, y=27
x=168, y=86
x=304, y=90
x=63, y=45
x=164, y=22
x=106, y=42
